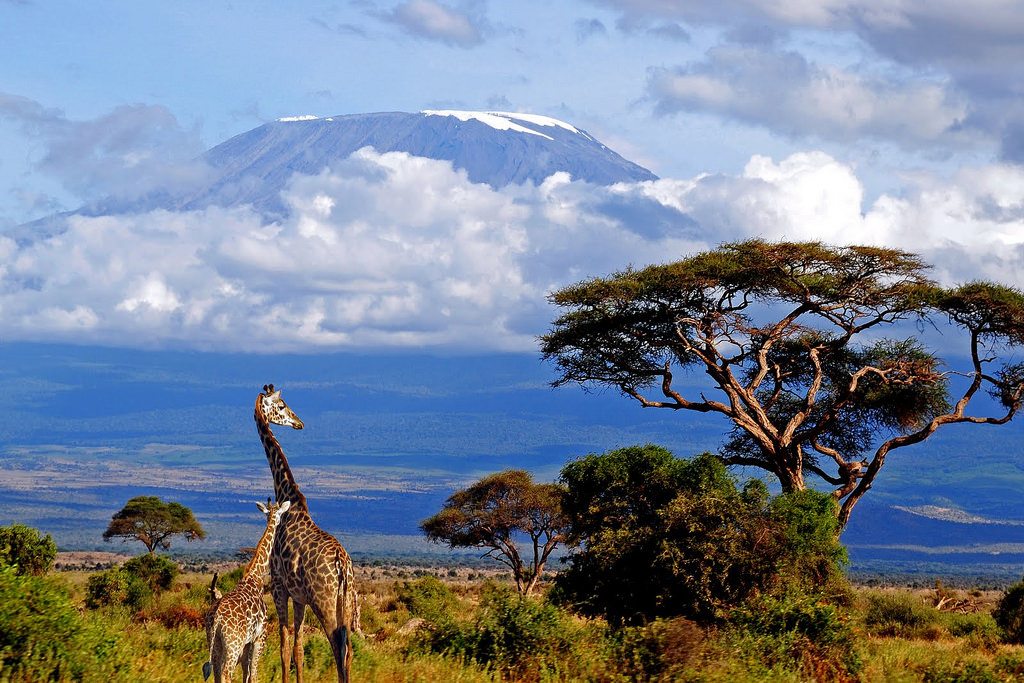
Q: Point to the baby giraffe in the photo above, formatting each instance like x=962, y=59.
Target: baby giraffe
x=236, y=626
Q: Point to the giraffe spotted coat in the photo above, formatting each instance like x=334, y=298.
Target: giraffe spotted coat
x=236, y=625
x=308, y=566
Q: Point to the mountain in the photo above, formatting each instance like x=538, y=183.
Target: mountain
x=496, y=148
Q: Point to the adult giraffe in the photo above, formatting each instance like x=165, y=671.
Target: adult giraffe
x=308, y=565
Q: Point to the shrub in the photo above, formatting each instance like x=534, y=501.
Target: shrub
x=22, y=547
x=228, y=581
x=661, y=650
x=117, y=587
x=43, y=637
x=156, y=571
x=428, y=598
x=175, y=615
x=899, y=615
x=1009, y=613
x=701, y=543
x=530, y=639
x=800, y=630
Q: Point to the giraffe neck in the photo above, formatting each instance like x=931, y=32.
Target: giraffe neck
x=260, y=562
x=285, y=487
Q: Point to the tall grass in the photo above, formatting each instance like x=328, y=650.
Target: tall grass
x=476, y=632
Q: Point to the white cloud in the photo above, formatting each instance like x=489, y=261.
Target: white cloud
x=119, y=156
x=461, y=26
x=784, y=92
x=391, y=250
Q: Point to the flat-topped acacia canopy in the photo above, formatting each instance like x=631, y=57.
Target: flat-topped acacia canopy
x=792, y=337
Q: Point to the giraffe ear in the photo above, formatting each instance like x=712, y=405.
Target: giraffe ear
x=262, y=507
x=285, y=505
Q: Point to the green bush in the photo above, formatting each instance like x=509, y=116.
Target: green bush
x=428, y=598
x=1009, y=613
x=43, y=637
x=22, y=547
x=117, y=587
x=528, y=638
x=228, y=581
x=799, y=630
x=156, y=571
x=660, y=651
x=700, y=542
x=899, y=615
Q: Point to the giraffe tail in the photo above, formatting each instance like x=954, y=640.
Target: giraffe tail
x=214, y=644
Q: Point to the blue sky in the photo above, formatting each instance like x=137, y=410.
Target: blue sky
x=876, y=121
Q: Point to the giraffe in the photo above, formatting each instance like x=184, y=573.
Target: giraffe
x=236, y=626
x=308, y=565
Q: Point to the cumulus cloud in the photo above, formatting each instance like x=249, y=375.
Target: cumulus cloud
x=132, y=151
x=461, y=26
x=786, y=93
x=975, y=47
x=390, y=250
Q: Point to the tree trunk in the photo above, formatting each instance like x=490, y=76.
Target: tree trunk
x=789, y=469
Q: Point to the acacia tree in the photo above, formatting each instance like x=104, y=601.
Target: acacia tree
x=497, y=510
x=153, y=522
x=791, y=337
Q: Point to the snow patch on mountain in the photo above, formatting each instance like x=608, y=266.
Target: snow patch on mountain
x=501, y=120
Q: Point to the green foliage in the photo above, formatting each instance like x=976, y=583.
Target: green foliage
x=699, y=542
x=117, y=587
x=22, y=547
x=153, y=522
x=428, y=598
x=42, y=636
x=900, y=614
x=663, y=650
x=228, y=581
x=1009, y=613
x=530, y=639
x=156, y=572
x=810, y=555
x=133, y=584
x=801, y=630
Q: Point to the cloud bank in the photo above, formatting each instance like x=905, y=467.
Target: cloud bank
x=944, y=73
x=390, y=250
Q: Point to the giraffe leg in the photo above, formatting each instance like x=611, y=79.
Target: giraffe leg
x=338, y=629
x=299, y=617
x=234, y=652
x=281, y=605
x=247, y=668
x=254, y=660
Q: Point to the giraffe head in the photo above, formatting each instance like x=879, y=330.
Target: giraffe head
x=273, y=511
x=275, y=409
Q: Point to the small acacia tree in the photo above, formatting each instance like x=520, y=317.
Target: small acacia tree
x=791, y=337
x=497, y=510
x=153, y=522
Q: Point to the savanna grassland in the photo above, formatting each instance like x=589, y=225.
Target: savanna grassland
x=459, y=624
